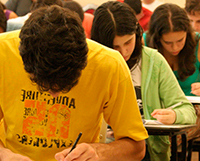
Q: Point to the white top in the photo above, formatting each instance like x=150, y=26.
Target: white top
x=17, y=23
x=136, y=74
x=153, y=5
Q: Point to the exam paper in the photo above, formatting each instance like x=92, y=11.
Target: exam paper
x=151, y=122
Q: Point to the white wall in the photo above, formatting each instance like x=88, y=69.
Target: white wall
x=98, y=2
x=181, y=3
x=3, y=1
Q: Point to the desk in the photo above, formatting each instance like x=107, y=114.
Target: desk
x=172, y=131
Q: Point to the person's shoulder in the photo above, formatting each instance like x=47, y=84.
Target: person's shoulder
x=107, y=57
x=146, y=11
x=152, y=54
x=9, y=35
x=97, y=48
x=149, y=51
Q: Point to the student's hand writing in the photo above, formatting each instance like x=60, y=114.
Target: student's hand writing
x=8, y=155
x=195, y=88
x=82, y=152
x=165, y=116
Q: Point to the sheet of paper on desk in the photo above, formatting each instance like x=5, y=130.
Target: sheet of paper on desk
x=193, y=99
x=151, y=122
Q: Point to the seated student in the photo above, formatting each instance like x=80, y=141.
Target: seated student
x=192, y=8
x=173, y=36
x=17, y=23
x=171, y=33
x=116, y=26
x=61, y=85
x=8, y=13
x=3, y=20
x=86, y=18
x=20, y=7
x=143, y=15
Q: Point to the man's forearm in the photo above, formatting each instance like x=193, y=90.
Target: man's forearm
x=124, y=149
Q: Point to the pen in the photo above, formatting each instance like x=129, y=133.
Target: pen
x=74, y=145
x=175, y=105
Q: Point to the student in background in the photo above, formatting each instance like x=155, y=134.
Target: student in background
x=192, y=8
x=8, y=13
x=116, y=26
x=171, y=33
x=86, y=18
x=17, y=23
x=20, y=7
x=63, y=85
x=3, y=20
x=143, y=15
x=151, y=4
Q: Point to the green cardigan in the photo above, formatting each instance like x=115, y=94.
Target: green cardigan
x=160, y=89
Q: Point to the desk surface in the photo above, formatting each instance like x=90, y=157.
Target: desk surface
x=194, y=99
x=174, y=128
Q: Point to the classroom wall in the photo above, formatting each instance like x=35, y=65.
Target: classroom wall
x=181, y=3
x=85, y=2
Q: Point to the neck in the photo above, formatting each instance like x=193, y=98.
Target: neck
x=172, y=60
x=148, y=1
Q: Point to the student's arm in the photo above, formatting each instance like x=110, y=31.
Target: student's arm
x=171, y=94
x=124, y=149
x=195, y=87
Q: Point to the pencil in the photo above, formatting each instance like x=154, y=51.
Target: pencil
x=175, y=105
x=74, y=145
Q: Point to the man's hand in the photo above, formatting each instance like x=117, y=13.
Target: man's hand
x=195, y=88
x=165, y=116
x=82, y=152
x=8, y=155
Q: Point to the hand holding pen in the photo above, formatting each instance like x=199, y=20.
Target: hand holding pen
x=82, y=151
x=74, y=145
x=166, y=116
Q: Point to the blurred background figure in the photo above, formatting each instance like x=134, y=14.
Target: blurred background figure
x=17, y=23
x=151, y=4
x=143, y=15
x=86, y=18
x=20, y=7
x=8, y=13
x=192, y=8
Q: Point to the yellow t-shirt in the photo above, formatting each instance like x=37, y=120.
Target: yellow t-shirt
x=39, y=125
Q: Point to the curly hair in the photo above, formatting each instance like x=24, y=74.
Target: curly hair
x=42, y=3
x=172, y=18
x=53, y=48
x=115, y=18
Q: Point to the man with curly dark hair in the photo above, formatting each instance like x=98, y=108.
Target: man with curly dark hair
x=87, y=81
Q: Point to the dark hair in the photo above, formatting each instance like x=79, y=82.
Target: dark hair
x=115, y=18
x=53, y=48
x=136, y=5
x=171, y=18
x=74, y=6
x=3, y=20
x=192, y=6
x=42, y=3
x=4, y=7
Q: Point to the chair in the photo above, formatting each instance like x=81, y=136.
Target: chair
x=193, y=145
